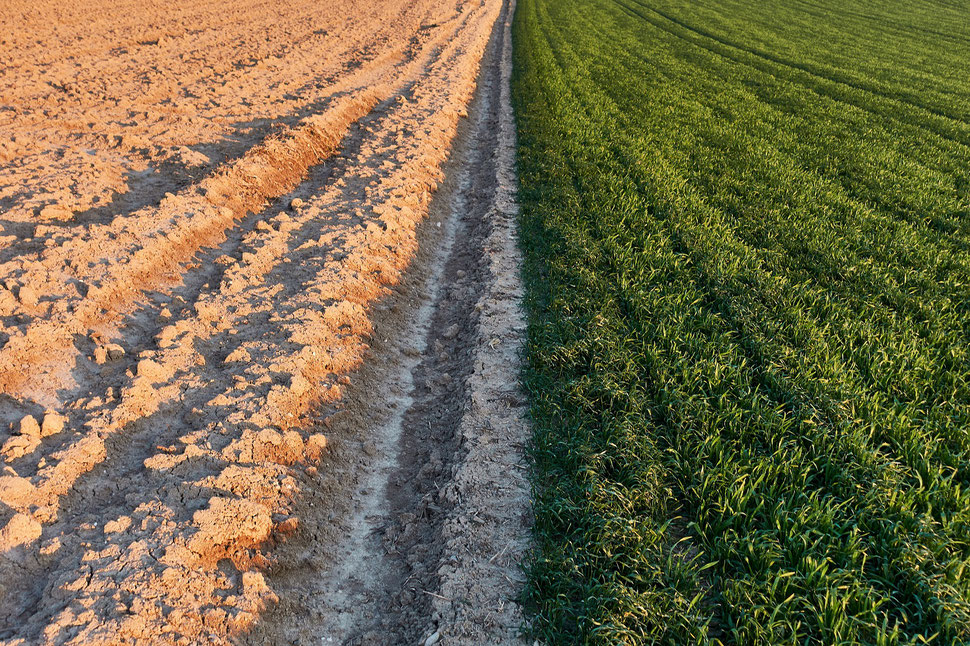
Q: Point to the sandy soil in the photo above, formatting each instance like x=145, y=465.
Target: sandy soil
x=252, y=390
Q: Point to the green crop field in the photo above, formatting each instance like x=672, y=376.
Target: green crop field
x=747, y=234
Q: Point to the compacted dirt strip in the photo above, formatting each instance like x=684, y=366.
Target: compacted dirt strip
x=177, y=346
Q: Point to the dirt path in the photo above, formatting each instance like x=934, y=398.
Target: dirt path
x=272, y=396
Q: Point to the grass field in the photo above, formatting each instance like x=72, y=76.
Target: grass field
x=747, y=230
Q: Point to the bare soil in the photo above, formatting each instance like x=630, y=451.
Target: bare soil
x=260, y=324
x=434, y=530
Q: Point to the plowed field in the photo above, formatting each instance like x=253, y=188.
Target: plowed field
x=258, y=309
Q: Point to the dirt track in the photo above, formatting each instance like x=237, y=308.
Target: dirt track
x=252, y=387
